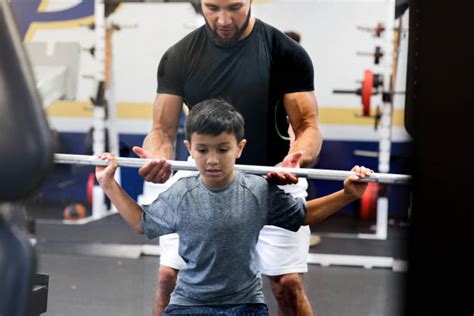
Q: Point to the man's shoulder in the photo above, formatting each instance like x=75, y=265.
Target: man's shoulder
x=280, y=43
x=271, y=31
x=265, y=26
x=189, y=39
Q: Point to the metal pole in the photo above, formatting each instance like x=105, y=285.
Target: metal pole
x=323, y=174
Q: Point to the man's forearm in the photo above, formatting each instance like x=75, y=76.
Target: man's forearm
x=159, y=144
x=309, y=142
x=302, y=110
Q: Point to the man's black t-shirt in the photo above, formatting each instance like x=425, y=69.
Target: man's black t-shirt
x=253, y=76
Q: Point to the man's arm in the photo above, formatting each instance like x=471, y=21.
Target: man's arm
x=166, y=113
x=302, y=110
x=159, y=143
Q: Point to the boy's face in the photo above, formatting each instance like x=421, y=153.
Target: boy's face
x=215, y=157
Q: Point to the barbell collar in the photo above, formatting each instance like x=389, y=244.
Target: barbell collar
x=322, y=174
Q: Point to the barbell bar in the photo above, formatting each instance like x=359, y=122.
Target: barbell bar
x=323, y=174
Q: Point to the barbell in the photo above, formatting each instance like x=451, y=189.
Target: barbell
x=322, y=174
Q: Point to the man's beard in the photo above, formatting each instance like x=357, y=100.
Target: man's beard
x=227, y=42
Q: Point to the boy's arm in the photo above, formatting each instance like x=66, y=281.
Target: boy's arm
x=127, y=207
x=319, y=209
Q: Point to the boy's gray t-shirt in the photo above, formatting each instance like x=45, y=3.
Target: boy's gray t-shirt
x=218, y=231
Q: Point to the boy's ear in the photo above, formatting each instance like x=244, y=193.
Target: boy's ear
x=241, y=146
x=188, y=145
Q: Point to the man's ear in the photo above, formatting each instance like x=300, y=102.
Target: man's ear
x=241, y=146
x=188, y=146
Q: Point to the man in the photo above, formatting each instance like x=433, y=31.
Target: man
x=258, y=69
x=314, y=239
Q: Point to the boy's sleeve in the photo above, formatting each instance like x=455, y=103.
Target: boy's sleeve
x=159, y=218
x=284, y=210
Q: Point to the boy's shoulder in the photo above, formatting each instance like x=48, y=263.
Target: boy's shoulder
x=183, y=184
x=189, y=180
x=254, y=182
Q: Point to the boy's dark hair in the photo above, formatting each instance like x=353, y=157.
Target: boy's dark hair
x=294, y=35
x=213, y=117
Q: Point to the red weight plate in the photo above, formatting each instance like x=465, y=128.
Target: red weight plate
x=367, y=88
x=368, y=201
x=90, y=188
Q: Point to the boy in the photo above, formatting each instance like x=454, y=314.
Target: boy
x=218, y=215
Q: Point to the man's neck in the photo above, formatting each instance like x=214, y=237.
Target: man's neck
x=248, y=30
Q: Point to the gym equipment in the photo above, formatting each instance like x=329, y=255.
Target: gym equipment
x=55, y=69
x=102, y=134
x=370, y=86
x=40, y=294
x=323, y=174
x=90, y=188
x=382, y=85
x=367, y=91
x=17, y=268
x=74, y=211
x=24, y=129
x=123, y=148
x=377, y=30
x=377, y=54
x=368, y=202
x=27, y=153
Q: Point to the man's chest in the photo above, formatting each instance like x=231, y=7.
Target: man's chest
x=240, y=74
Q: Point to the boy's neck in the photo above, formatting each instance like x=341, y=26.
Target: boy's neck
x=222, y=186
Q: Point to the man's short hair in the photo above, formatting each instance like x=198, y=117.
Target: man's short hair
x=213, y=117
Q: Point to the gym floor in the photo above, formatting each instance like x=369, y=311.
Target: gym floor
x=96, y=269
